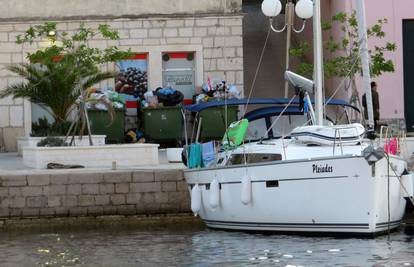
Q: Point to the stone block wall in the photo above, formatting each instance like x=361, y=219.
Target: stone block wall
x=217, y=41
x=93, y=194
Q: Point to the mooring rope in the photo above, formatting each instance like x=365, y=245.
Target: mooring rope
x=399, y=177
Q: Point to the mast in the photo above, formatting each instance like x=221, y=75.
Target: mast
x=318, y=61
x=366, y=76
x=290, y=7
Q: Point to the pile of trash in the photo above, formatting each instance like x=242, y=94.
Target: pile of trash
x=218, y=90
x=100, y=99
x=162, y=97
x=131, y=85
x=133, y=136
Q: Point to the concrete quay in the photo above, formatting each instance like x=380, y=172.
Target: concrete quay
x=145, y=221
x=29, y=193
x=31, y=197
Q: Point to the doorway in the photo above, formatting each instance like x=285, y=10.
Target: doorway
x=408, y=55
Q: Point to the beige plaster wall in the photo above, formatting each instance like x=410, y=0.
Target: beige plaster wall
x=46, y=9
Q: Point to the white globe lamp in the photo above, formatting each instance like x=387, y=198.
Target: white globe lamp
x=304, y=9
x=271, y=8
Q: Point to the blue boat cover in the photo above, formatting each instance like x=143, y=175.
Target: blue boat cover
x=272, y=111
x=259, y=101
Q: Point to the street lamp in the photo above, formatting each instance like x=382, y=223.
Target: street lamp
x=51, y=34
x=303, y=9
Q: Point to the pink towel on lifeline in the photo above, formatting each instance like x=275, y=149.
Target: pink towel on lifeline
x=391, y=146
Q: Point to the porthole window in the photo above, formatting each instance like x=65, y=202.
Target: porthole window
x=237, y=159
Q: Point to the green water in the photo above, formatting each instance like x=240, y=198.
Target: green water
x=188, y=245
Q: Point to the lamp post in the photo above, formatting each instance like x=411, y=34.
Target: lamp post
x=303, y=9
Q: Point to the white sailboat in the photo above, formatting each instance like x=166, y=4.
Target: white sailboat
x=320, y=178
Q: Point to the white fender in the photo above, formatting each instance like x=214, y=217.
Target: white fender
x=246, y=190
x=214, y=194
x=407, y=180
x=195, y=199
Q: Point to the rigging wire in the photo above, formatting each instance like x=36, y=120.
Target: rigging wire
x=253, y=84
x=343, y=81
x=277, y=118
x=399, y=177
x=256, y=72
x=354, y=64
x=388, y=197
x=355, y=61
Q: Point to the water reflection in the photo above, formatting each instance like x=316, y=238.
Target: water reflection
x=198, y=247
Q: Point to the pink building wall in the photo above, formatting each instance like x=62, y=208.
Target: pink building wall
x=390, y=85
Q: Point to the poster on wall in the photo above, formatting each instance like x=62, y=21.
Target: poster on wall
x=132, y=78
x=179, y=73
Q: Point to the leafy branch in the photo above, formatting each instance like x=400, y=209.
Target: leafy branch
x=57, y=75
x=343, y=59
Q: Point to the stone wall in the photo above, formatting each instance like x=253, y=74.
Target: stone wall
x=93, y=194
x=216, y=40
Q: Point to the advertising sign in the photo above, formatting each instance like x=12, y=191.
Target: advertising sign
x=132, y=78
x=179, y=73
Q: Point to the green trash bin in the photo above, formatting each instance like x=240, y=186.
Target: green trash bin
x=100, y=121
x=163, y=123
x=213, y=123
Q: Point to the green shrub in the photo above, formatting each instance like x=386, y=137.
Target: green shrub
x=43, y=128
x=51, y=141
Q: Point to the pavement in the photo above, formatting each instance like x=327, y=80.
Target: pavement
x=10, y=161
x=11, y=164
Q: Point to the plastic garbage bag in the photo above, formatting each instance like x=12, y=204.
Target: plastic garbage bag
x=101, y=106
x=201, y=98
x=126, y=97
x=168, y=96
x=151, y=99
x=234, y=92
x=148, y=94
x=117, y=105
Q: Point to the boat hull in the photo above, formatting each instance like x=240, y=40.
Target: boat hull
x=324, y=195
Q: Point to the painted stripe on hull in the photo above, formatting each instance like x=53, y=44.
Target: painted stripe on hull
x=328, y=138
x=282, y=180
x=289, y=225
x=359, y=227
x=384, y=225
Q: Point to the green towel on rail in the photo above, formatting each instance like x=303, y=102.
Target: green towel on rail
x=195, y=156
